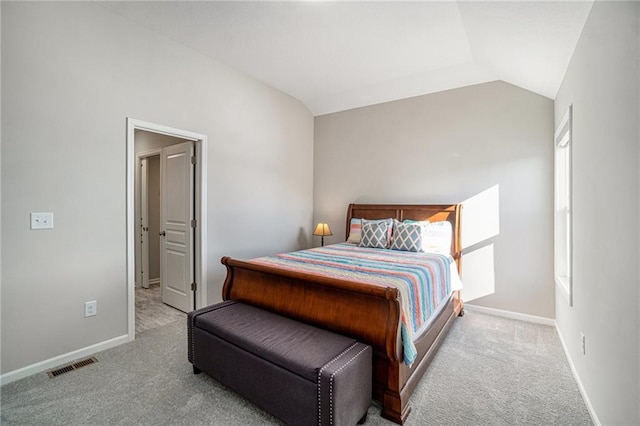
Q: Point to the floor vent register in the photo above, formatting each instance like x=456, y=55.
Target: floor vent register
x=71, y=367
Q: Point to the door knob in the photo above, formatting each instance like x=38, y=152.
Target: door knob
x=162, y=234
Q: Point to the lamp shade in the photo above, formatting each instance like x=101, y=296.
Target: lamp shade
x=322, y=230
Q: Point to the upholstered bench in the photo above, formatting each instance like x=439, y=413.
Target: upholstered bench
x=301, y=374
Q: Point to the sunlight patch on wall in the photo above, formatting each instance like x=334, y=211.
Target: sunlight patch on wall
x=481, y=217
x=480, y=223
x=478, y=273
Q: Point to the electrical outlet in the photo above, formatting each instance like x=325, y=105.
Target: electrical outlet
x=583, y=344
x=42, y=220
x=90, y=308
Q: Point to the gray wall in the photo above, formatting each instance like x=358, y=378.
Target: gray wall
x=602, y=83
x=71, y=75
x=446, y=148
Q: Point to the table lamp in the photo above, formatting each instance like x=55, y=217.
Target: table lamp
x=322, y=230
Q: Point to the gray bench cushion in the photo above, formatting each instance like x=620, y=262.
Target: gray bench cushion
x=282, y=341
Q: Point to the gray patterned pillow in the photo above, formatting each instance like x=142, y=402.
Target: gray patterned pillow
x=374, y=234
x=407, y=236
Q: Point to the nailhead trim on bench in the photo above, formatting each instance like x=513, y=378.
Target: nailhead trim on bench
x=331, y=382
x=330, y=389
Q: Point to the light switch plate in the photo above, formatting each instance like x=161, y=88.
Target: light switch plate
x=41, y=220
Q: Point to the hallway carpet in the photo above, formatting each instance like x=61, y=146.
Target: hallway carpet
x=151, y=312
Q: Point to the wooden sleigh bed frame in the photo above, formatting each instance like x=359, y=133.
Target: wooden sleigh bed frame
x=367, y=313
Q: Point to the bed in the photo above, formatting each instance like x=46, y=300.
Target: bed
x=370, y=313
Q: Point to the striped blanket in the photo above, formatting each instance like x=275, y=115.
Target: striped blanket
x=423, y=279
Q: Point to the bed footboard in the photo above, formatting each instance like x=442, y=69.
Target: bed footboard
x=369, y=314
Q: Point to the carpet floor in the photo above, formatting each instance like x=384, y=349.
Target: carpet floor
x=489, y=371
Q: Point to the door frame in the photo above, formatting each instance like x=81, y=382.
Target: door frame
x=140, y=252
x=200, y=212
x=144, y=218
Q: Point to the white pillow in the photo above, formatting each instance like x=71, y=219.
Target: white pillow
x=437, y=237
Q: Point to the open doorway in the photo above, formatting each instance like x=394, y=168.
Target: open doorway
x=153, y=306
x=166, y=224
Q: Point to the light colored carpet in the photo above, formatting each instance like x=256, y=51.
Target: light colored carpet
x=489, y=371
x=151, y=312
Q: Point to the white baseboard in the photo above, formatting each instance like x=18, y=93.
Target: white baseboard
x=510, y=314
x=583, y=392
x=154, y=281
x=59, y=360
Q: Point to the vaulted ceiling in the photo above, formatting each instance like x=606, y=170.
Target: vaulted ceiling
x=337, y=55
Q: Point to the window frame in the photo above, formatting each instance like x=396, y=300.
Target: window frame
x=563, y=206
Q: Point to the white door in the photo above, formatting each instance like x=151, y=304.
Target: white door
x=177, y=212
x=144, y=222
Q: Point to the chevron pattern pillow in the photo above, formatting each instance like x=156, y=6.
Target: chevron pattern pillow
x=407, y=236
x=374, y=234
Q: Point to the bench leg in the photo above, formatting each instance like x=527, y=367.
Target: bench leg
x=363, y=419
x=196, y=370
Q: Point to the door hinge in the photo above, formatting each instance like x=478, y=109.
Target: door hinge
x=194, y=286
x=194, y=159
x=194, y=223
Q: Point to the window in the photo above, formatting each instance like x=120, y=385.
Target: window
x=562, y=219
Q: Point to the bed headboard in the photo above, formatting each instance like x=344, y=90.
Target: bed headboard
x=431, y=212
